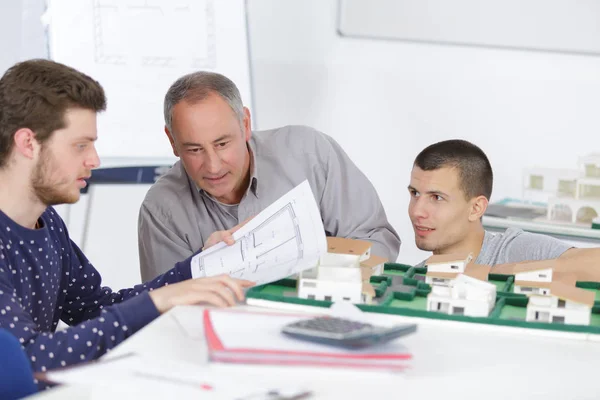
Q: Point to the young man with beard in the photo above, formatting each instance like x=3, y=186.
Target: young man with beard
x=450, y=187
x=47, y=134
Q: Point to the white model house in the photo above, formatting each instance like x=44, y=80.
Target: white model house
x=534, y=277
x=336, y=284
x=464, y=295
x=567, y=304
x=572, y=195
x=531, y=277
x=441, y=269
x=343, y=273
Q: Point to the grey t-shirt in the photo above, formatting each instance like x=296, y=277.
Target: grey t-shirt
x=516, y=245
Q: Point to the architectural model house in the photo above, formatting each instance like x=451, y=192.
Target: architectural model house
x=332, y=283
x=441, y=269
x=534, y=277
x=567, y=304
x=571, y=195
x=343, y=273
x=464, y=295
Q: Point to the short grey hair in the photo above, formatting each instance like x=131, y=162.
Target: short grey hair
x=196, y=87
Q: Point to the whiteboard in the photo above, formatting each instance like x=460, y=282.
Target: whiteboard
x=571, y=26
x=137, y=48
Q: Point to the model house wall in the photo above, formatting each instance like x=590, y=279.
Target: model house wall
x=541, y=275
x=566, y=304
x=452, y=263
x=529, y=288
x=464, y=296
x=553, y=309
x=332, y=284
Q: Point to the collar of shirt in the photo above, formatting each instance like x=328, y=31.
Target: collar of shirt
x=253, y=175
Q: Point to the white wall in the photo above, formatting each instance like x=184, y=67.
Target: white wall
x=384, y=101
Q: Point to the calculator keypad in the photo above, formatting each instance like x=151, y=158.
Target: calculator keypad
x=333, y=325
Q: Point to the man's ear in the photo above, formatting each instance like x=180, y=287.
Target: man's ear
x=26, y=144
x=478, y=206
x=172, y=141
x=247, y=124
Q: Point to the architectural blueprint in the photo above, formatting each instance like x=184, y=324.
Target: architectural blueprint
x=286, y=238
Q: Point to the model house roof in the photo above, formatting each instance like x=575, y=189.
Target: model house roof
x=448, y=258
x=564, y=277
x=526, y=266
x=373, y=261
x=478, y=271
x=337, y=245
x=567, y=292
x=444, y=275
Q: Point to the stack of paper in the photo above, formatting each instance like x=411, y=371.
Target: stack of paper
x=256, y=338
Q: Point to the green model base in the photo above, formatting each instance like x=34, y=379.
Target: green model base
x=509, y=310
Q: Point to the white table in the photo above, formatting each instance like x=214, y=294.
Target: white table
x=451, y=360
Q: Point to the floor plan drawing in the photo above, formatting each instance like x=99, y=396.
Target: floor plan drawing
x=285, y=238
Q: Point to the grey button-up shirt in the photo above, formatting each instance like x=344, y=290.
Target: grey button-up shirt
x=176, y=217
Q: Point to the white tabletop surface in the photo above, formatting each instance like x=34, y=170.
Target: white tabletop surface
x=452, y=360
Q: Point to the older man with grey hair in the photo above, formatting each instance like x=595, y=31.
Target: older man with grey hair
x=227, y=174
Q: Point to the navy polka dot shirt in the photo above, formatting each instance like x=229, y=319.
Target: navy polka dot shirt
x=44, y=278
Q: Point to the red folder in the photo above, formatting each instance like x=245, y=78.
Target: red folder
x=235, y=344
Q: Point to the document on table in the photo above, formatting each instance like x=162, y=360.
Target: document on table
x=286, y=238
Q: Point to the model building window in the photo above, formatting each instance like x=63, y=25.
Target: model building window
x=561, y=303
x=559, y=320
x=536, y=182
x=590, y=191
x=327, y=298
x=454, y=266
x=526, y=289
x=309, y=284
x=592, y=171
x=567, y=187
x=543, y=276
x=311, y=296
x=439, y=280
x=458, y=311
x=346, y=298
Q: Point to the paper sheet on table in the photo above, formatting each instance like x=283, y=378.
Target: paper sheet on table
x=285, y=238
x=153, y=378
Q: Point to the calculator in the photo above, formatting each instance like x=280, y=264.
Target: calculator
x=345, y=332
